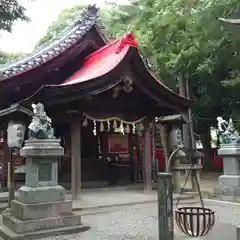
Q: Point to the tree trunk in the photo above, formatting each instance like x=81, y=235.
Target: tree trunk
x=206, y=142
x=185, y=127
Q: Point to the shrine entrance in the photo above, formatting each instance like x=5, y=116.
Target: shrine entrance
x=99, y=110
x=106, y=155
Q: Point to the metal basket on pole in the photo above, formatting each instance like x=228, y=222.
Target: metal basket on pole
x=193, y=221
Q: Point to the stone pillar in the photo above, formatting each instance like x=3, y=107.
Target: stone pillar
x=175, y=161
x=238, y=232
x=229, y=183
x=41, y=203
x=165, y=143
x=165, y=207
x=76, y=160
x=147, y=159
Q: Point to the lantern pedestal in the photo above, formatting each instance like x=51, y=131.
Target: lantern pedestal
x=41, y=205
x=228, y=187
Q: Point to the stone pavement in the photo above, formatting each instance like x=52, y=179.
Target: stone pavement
x=140, y=222
x=113, y=197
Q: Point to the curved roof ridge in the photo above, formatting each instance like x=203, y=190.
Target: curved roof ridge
x=49, y=50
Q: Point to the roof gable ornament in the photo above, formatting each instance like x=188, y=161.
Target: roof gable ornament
x=92, y=10
x=127, y=87
x=127, y=39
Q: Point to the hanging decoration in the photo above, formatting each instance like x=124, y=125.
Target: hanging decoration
x=121, y=128
x=115, y=123
x=101, y=127
x=94, y=128
x=85, y=122
x=108, y=126
x=127, y=129
x=141, y=127
x=133, y=128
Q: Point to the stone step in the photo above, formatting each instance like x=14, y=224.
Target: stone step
x=22, y=227
x=6, y=233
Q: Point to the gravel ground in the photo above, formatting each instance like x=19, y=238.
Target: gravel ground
x=140, y=222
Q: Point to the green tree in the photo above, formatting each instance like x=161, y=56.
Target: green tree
x=120, y=19
x=7, y=57
x=65, y=19
x=184, y=39
x=10, y=11
x=116, y=20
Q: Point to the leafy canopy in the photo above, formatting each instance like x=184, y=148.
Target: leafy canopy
x=10, y=11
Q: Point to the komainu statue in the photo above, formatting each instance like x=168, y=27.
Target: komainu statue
x=227, y=132
x=41, y=125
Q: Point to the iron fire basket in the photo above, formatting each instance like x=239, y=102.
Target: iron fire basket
x=194, y=221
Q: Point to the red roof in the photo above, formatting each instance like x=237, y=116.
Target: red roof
x=107, y=59
x=103, y=60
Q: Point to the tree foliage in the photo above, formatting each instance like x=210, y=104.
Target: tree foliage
x=66, y=18
x=119, y=19
x=7, y=57
x=10, y=11
x=185, y=39
x=116, y=21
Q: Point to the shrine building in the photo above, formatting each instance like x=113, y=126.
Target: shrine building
x=101, y=97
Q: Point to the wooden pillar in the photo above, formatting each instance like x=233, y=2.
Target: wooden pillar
x=6, y=159
x=131, y=157
x=154, y=161
x=147, y=159
x=76, y=159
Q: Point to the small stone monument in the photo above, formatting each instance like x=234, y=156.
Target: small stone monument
x=41, y=206
x=228, y=187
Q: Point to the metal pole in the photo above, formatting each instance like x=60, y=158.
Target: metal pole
x=165, y=207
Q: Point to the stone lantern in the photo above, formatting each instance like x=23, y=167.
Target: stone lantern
x=41, y=205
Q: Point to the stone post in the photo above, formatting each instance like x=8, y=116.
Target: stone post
x=41, y=203
x=229, y=183
x=238, y=232
x=175, y=162
x=165, y=207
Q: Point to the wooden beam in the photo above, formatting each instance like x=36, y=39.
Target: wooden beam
x=147, y=159
x=76, y=159
x=172, y=119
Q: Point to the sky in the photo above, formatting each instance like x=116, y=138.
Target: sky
x=25, y=35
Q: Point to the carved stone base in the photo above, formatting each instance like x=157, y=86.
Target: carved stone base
x=41, y=194
x=26, y=212
x=42, y=147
